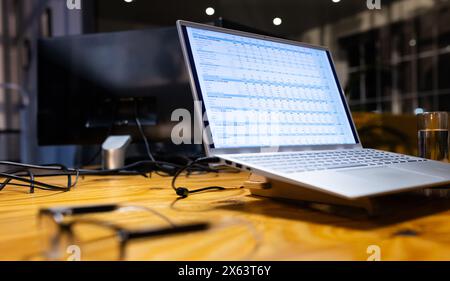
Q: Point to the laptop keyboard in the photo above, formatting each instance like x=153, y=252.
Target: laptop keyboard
x=296, y=162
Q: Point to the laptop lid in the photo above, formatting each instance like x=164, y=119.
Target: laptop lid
x=259, y=93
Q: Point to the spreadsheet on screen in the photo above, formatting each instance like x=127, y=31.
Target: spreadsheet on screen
x=263, y=93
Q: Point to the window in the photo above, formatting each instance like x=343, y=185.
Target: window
x=401, y=66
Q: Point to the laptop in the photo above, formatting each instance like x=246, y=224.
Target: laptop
x=275, y=107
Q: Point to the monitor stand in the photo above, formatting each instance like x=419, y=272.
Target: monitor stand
x=113, y=152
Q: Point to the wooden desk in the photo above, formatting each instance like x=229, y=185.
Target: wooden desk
x=281, y=231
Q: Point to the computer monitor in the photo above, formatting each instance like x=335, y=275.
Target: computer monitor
x=93, y=86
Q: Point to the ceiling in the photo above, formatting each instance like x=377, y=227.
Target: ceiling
x=297, y=15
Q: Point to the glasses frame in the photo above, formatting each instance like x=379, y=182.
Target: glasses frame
x=123, y=235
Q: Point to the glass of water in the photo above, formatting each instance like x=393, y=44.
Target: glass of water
x=433, y=136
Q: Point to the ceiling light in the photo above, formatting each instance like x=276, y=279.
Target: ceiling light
x=128, y=1
x=336, y=1
x=277, y=21
x=210, y=11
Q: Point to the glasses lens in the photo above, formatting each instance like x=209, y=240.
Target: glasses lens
x=52, y=238
x=95, y=241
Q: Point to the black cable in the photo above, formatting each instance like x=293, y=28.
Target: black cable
x=31, y=166
x=21, y=171
x=184, y=192
x=141, y=131
x=135, y=168
x=147, y=145
x=34, y=183
x=140, y=166
x=110, y=128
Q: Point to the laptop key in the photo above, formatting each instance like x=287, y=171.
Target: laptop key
x=346, y=166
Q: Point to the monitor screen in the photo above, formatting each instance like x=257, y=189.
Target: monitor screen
x=95, y=83
x=259, y=92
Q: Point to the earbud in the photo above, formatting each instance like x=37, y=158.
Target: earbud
x=182, y=191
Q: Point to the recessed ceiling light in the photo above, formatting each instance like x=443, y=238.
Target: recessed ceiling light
x=210, y=11
x=336, y=1
x=128, y=1
x=277, y=21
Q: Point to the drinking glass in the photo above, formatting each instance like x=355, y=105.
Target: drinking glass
x=433, y=135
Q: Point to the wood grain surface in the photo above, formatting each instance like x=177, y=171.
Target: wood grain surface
x=244, y=227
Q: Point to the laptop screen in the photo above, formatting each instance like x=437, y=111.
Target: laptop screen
x=260, y=93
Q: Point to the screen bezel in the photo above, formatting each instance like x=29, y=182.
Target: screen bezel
x=198, y=95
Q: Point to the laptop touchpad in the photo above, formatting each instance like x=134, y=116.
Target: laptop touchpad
x=390, y=176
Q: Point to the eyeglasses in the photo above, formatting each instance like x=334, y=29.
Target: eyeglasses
x=98, y=239
x=16, y=174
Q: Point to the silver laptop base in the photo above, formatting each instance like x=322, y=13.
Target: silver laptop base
x=372, y=206
x=261, y=186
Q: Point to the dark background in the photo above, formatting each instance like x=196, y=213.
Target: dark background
x=392, y=62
